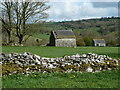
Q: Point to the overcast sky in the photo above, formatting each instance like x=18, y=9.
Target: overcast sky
x=81, y=9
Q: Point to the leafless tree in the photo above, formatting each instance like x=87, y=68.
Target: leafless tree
x=28, y=12
x=23, y=13
x=6, y=19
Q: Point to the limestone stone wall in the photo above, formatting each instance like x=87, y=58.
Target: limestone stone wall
x=26, y=63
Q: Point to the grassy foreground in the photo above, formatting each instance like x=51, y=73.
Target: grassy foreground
x=61, y=51
x=104, y=79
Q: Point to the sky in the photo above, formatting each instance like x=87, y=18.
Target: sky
x=65, y=10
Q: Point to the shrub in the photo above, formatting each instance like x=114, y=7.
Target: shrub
x=88, y=41
x=80, y=41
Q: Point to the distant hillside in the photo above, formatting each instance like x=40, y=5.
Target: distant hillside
x=85, y=30
x=84, y=24
x=106, y=28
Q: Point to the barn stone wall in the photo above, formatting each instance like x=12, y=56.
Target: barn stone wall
x=65, y=42
x=52, y=39
x=100, y=44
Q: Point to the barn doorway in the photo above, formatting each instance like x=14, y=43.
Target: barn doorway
x=97, y=45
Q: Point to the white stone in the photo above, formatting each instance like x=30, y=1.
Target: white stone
x=30, y=56
x=37, y=61
x=110, y=58
x=44, y=72
x=69, y=63
x=77, y=55
x=63, y=65
x=89, y=69
x=9, y=55
x=25, y=54
x=73, y=56
x=93, y=54
x=90, y=53
x=50, y=66
x=38, y=57
x=44, y=64
x=84, y=55
x=92, y=59
x=32, y=64
x=27, y=69
x=108, y=63
x=109, y=69
x=100, y=68
x=52, y=60
x=69, y=71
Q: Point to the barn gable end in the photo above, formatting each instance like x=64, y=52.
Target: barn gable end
x=99, y=42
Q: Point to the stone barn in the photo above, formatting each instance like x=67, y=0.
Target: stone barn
x=63, y=38
x=99, y=42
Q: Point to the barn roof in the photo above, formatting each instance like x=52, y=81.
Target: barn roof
x=99, y=40
x=63, y=34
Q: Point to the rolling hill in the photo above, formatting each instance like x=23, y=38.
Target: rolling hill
x=106, y=28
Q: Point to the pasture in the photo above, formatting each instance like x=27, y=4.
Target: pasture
x=61, y=51
x=104, y=79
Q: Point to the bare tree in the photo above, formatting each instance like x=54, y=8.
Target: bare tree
x=21, y=14
x=6, y=19
x=28, y=12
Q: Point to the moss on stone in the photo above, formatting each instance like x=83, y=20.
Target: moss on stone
x=83, y=67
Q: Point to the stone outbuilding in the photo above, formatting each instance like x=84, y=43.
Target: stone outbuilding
x=63, y=38
x=99, y=42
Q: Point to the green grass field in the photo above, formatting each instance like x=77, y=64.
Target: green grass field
x=61, y=51
x=104, y=79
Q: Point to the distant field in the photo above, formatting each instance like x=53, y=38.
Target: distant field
x=104, y=79
x=61, y=51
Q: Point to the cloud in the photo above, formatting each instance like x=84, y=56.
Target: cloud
x=70, y=10
x=104, y=0
x=105, y=4
x=84, y=0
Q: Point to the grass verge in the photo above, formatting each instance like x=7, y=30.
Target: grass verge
x=104, y=79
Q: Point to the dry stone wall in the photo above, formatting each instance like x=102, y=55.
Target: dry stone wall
x=26, y=63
